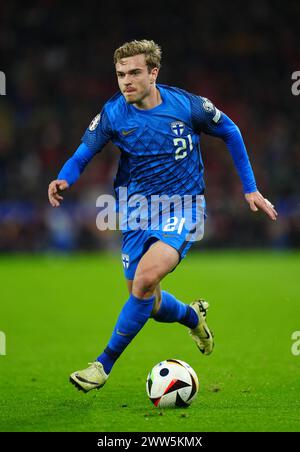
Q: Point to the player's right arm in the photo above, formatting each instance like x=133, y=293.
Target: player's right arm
x=96, y=136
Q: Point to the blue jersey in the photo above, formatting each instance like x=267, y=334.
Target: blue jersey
x=160, y=147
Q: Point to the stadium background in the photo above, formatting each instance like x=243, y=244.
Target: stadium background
x=62, y=284
x=59, y=70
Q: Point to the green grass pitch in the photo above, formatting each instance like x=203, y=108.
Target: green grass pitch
x=58, y=312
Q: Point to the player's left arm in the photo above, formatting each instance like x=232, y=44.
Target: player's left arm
x=218, y=124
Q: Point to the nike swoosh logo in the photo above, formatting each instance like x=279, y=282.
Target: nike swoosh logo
x=122, y=334
x=85, y=381
x=128, y=132
x=207, y=333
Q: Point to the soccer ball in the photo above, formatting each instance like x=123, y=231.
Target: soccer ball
x=172, y=383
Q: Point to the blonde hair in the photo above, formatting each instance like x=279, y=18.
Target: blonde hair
x=150, y=49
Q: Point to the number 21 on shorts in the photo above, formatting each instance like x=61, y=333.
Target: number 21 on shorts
x=171, y=225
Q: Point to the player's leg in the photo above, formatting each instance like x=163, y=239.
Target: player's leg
x=146, y=282
x=168, y=309
x=150, y=271
x=160, y=259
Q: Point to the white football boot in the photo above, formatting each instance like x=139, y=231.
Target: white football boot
x=93, y=377
x=202, y=335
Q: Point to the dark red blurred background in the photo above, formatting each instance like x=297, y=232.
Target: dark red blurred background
x=57, y=58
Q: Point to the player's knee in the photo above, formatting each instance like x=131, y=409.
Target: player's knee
x=144, y=284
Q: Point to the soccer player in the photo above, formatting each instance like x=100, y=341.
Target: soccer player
x=157, y=128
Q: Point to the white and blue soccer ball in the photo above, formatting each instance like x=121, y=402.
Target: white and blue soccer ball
x=172, y=383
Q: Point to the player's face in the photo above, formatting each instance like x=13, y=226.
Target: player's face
x=135, y=80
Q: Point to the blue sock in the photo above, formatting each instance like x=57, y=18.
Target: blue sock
x=132, y=318
x=173, y=310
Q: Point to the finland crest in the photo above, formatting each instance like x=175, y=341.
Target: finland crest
x=125, y=260
x=177, y=127
x=94, y=122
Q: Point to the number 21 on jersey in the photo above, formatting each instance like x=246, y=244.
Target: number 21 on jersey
x=182, y=145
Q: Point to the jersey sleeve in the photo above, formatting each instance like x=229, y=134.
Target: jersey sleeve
x=98, y=133
x=75, y=165
x=208, y=119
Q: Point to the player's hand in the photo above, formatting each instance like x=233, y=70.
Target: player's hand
x=257, y=201
x=54, y=189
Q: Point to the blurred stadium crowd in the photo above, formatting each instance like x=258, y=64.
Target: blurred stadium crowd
x=57, y=58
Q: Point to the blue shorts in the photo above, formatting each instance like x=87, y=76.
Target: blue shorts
x=137, y=242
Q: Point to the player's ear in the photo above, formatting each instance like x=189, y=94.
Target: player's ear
x=153, y=75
